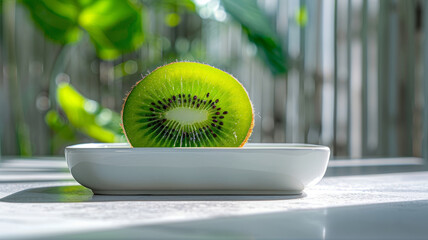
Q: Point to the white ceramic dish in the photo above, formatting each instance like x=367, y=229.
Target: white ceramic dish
x=253, y=169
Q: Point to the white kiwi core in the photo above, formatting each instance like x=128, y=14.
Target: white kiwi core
x=187, y=116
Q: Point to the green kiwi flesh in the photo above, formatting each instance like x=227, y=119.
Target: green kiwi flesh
x=187, y=104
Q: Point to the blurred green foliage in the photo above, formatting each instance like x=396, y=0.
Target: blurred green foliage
x=57, y=19
x=172, y=19
x=115, y=27
x=63, y=130
x=260, y=31
x=65, y=133
x=87, y=116
x=171, y=5
x=302, y=16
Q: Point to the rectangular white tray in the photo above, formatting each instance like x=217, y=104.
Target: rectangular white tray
x=254, y=169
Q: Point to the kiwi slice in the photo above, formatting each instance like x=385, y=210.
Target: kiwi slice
x=187, y=104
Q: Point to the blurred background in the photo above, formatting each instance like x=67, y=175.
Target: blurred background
x=349, y=74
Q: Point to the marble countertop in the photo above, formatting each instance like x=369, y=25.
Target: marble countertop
x=40, y=200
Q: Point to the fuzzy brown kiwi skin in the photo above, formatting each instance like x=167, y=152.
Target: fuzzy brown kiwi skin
x=250, y=130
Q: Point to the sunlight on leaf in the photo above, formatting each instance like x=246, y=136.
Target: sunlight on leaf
x=259, y=30
x=88, y=116
x=115, y=27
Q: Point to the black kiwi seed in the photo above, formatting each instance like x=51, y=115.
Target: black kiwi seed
x=219, y=127
x=213, y=124
x=209, y=102
x=222, y=117
x=217, y=113
x=173, y=97
x=151, y=109
x=221, y=123
x=214, y=135
x=197, y=105
x=160, y=102
x=208, y=94
x=214, y=117
x=218, y=108
x=216, y=100
x=214, y=107
x=215, y=120
x=194, y=97
x=225, y=112
x=153, y=103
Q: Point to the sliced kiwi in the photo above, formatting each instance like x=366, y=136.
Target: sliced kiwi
x=187, y=104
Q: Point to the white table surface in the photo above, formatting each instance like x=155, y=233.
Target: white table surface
x=40, y=200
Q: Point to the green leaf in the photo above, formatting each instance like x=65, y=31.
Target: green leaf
x=56, y=18
x=259, y=30
x=56, y=123
x=114, y=26
x=88, y=116
x=171, y=5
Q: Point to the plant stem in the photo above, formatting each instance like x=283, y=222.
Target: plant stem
x=58, y=67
